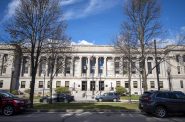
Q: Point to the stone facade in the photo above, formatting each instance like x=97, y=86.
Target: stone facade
x=94, y=70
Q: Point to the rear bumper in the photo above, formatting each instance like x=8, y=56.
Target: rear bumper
x=146, y=107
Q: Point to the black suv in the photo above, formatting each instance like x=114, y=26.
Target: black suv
x=66, y=98
x=162, y=102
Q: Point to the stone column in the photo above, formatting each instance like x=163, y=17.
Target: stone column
x=80, y=68
x=46, y=69
x=21, y=67
x=88, y=66
x=113, y=59
x=96, y=66
x=29, y=67
x=72, y=67
x=64, y=68
x=105, y=67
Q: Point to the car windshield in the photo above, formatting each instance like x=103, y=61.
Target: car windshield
x=146, y=94
x=6, y=94
x=180, y=95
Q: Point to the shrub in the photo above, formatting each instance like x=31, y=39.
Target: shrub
x=15, y=92
x=121, y=90
x=62, y=90
x=27, y=91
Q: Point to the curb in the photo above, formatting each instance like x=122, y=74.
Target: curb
x=80, y=110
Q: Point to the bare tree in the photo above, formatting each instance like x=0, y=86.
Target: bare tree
x=34, y=22
x=57, y=51
x=143, y=16
x=125, y=46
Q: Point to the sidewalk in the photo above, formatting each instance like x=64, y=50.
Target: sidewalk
x=79, y=110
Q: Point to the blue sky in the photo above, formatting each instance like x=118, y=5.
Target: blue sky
x=98, y=21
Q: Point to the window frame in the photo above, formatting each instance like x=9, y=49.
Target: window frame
x=1, y=83
x=58, y=84
x=23, y=85
x=41, y=84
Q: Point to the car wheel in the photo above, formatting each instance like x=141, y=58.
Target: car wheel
x=115, y=100
x=8, y=110
x=100, y=100
x=160, y=112
x=66, y=101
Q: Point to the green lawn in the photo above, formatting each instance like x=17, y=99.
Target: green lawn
x=133, y=97
x=104, y=105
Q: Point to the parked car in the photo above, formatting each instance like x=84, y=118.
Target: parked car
x=11, y=104
x=66, y=98
x=161, y=103
x=110, y=96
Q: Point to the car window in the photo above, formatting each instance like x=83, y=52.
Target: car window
x=61, y=94
x=110, y=94
x=179, y=95
x=163, y=95
x=116, y=94
x=6, y=94
x=172, y=96
x=105, y=94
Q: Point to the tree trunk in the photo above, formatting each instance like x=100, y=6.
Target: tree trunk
x=144, y=77
x=32, y=87
x=129, y=81
x=51, y=91
x=51, y=79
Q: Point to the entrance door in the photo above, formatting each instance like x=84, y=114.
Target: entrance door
x=92, y=85
x=84, y=85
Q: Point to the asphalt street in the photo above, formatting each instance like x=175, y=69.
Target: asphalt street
x=88, y=117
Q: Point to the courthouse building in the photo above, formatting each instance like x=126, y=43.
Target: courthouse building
x=93, y=69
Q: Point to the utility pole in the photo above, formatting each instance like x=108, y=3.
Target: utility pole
x=157, y=65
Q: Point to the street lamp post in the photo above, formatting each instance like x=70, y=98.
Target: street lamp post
x=74, y=86
x=100, y=84
x=44, y=83
x=111, y=87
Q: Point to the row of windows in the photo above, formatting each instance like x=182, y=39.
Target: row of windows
x=152, y=84
x=92, y=84
x=41, y=84
x=84, y=84
x=133, y=67
x=135, y=84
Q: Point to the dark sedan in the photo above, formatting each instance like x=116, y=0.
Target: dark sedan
x=66, y=98
x=161, y=103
